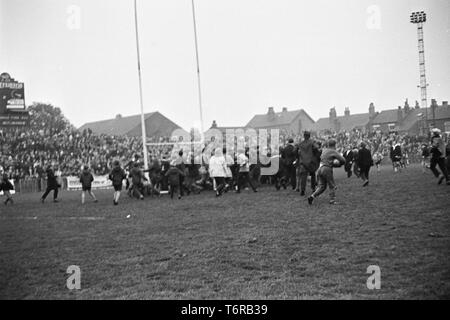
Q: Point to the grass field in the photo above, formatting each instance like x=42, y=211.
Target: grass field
x=265, y=245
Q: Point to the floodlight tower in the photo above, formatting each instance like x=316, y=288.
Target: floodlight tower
x=419, y=18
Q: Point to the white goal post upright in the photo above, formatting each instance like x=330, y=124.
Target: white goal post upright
x=202, y=133
x=144, y=134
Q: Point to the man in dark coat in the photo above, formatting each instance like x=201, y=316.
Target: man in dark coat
x=348, y=155
x=137, y=177
x=307, y=162
x=438, y=157
x=180, y=163
x=364, y=161
x=447, y=154
x=356, y=170
x=6, y=186
x=52, y=184
x=289, y=155
x=396, y=156
x=173, y=175
x=155, y=175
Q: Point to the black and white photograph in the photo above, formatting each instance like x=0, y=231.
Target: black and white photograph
x=224, y=154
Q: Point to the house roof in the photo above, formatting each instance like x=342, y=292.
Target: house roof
x=224, y=129
x=391, y=116
x=386, y=116
x=117, y=126
x=322, y=124
x=410, y=119
x=347, y=123
x=441, y=112
x=353, y=121
x=281, y=119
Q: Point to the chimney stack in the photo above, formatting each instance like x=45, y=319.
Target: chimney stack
x=371, y=110
x=347, y=112
x=406, y=107
x=333, y=114
x=399, y=114
x=434, y=104
x=271, y=113
x=284, y=109
x=214, y=124
x=445, y=105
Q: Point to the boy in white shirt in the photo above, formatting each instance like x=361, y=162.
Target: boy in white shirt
x=244, y=168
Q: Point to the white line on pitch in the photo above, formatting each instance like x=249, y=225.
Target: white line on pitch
x=49, y=217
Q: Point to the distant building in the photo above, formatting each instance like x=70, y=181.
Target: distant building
x=223, y=130
x=439, y=116
x=398, y=120
x=156, y=126
x=293, y=122
x=413, y=120
x=406, y=119
x=347, y=122
x=210, y=134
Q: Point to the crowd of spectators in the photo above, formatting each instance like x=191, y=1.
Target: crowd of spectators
x=26, y=153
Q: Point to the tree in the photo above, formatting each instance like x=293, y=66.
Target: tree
x=47, y=117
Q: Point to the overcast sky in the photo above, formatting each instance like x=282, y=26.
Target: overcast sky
x=80, y=55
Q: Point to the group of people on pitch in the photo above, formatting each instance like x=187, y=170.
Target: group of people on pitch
x=434, y=154
x=225, y=171
x=220, y=168
x=308, y=158
x=298, y=161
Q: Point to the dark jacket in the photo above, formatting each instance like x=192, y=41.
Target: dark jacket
x=155, y=171
x=364, y=158
x=437, y=147
x=425, y=152
x=117, y=175
x=86, y=179
x=307, y=160
x=349, y=158
x=5, y=184
x=136, y=176
x=396, y=153
x=348, y=155
x=51, y=179
x=289, y=154
x=174, y=175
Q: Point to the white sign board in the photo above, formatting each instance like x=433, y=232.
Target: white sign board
x=100, y=182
